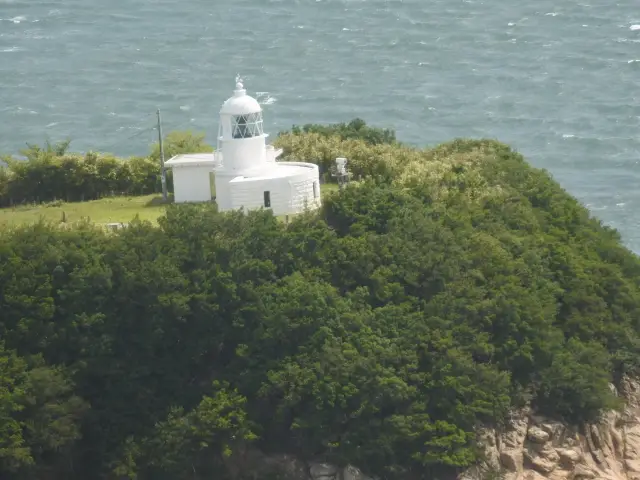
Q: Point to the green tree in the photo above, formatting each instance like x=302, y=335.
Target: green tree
x=14, y=451
x=191, y=444
x=178, y=142
x=447, y=287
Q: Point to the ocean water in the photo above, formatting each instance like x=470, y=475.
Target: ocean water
x=559, y=81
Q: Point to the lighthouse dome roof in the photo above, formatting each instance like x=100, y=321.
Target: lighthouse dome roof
x=240, y=103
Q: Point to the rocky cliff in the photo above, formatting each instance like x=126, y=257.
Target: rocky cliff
x=530, y=448
x=253, y=465
x=535, y=448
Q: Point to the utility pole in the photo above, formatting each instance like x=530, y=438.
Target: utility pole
x=163, y=171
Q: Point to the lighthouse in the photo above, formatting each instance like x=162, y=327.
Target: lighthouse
x=244, y=168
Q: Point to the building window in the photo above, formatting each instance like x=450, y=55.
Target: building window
x=267, y=199
x=247, y=126
x=315, y=189
x=240, y=126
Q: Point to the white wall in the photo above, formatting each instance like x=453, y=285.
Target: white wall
x=243, y=154
x=223, y=192
x=288, y=194
x=191, y=184
x=249, y=194
x=302, y=190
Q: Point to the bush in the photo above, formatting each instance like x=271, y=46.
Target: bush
x=356, y=129
x=576, y=385
x=381, y=330
x=50, y=173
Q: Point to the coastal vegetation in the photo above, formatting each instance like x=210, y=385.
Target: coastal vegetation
x=446, y=287
x=116, y=209
x=52, y=173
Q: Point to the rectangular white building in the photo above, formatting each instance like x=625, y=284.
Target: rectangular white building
x=192, y=177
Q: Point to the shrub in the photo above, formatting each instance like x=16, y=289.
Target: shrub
x=50, y=173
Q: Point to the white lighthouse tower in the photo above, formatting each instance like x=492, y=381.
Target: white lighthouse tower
x=242, y=143
x=247, y=175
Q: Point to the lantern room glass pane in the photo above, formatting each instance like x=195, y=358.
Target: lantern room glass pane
x=247, y=126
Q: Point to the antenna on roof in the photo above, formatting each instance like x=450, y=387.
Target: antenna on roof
x=342, y=174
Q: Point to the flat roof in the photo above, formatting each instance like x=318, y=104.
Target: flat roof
x=191, y=159
x=276, y=170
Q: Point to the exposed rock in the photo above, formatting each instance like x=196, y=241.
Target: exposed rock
x=250, y=463
x=488, y=438
x=534, y=476
x=568, y=458
x=288, y=466
x=633, y=466
x=543, y=465
x=560, y=474
x=535, y=448
x=544, y=460
x=537, y=435
x=352, y=473
x=532, y=447
x=323, y=471
x=511, y=460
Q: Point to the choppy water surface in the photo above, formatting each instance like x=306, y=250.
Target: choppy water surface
x=557, y=80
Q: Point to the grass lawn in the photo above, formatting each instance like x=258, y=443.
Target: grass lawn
x=106, y=210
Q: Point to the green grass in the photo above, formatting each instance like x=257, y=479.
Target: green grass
x=327, y=188
x=106, y=210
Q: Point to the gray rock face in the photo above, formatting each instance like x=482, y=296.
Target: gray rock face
x=352, y=473
x=254, y=465
x=323, y=471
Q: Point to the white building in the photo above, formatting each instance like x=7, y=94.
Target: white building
x=243, y=173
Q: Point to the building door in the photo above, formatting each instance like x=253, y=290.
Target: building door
x=267, y=199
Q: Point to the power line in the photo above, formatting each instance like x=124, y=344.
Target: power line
x=137, y=134
x=144, y=130
x=137, y=122
x=176, y=127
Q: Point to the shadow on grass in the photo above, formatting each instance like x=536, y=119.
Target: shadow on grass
x=158, y=201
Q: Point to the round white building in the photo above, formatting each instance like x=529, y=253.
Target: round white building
x=246, y=173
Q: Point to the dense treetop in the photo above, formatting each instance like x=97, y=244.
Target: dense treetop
x=446, y=287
